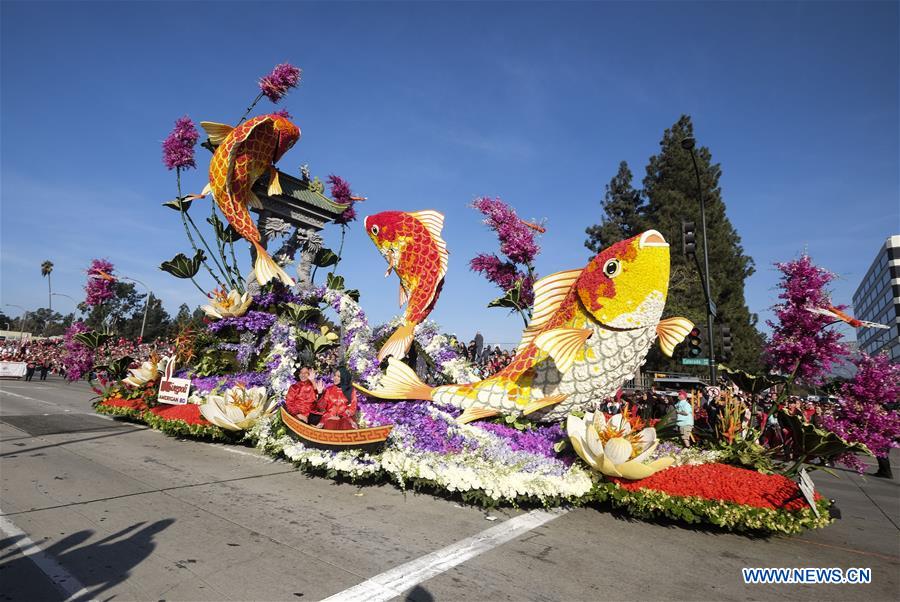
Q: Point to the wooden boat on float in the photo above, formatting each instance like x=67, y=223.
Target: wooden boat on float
x=365, y=438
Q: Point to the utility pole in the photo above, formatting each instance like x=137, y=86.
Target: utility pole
x=688, y=145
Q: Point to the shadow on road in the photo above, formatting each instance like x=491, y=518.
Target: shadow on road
x=99, y=565
x=14, y=453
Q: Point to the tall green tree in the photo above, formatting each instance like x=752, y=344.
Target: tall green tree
x=622, y=217
x=670, y=187
x=46, y=269
x=115, y=311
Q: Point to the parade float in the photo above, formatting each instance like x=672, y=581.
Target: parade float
x=530, y=435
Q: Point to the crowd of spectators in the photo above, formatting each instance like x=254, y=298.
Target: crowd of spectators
x=45, y=356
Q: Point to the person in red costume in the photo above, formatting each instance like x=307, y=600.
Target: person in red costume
x=302, y=398
x=339, y=411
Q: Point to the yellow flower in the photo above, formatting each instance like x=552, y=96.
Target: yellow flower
x=238, y=408
x=613, y=448
x=230, y=305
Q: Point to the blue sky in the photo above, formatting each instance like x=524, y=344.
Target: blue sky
x=431, y=105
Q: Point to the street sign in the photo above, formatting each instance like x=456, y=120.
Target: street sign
x=808, y=489
x=712, y=308
x=695, y=361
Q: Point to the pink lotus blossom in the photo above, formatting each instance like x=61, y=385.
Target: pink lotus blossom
x=800, y=344
x=283, y=77
x=861, y=416
x=178, y=147
x=100, y=283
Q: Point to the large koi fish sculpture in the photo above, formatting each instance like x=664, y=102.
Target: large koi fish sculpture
x=590, y=330
x=412, y=245
x=243, y=155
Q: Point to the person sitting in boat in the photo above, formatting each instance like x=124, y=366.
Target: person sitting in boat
x=339, y=401
x=303, y=398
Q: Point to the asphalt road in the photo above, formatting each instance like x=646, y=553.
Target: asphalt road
x=98, y=509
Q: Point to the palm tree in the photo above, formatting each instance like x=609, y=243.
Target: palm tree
x=46, y=268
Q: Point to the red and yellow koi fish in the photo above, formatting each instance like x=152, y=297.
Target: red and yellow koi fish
x=244, y=154
x=412, y=245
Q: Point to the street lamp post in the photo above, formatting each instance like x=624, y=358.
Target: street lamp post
x=22, y=322
x=688, y=145
x=73, y=299
x=146, y=303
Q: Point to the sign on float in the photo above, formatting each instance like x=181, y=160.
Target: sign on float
x=174, y=391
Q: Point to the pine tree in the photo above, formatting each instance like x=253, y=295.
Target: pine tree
x=622, y=213
x=671, y=191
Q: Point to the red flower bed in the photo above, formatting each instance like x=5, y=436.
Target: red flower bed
x=725, y=483
x=189, y=413
x=133, y=404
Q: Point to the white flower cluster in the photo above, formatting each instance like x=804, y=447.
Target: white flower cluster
x=285, y=348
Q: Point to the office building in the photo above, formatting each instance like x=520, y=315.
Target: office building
x=877, y=299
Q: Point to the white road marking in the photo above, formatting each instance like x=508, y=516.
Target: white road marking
x=11, y=394
x=393, y=583
x=61, y=578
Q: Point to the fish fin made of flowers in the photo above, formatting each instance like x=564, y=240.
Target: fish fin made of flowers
x=217, y=132
x=563, y=345
x=399, y=343
x=274, y=183
x=473, y=413
x=254, y=201
x=549, y=293
x=265, y=268
x=672, y=331
x=543, y=402
x=399, y=382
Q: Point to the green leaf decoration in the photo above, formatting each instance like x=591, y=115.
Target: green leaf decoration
x=224, y=232
x=810, y=442
x=116, y=369
x=511, y=300
x=333, y=282
x=92, y=339
x=750, y=383
x=353, y=294
x=325, y=258
x=181, y=204
x=301, y=313
x=181, y=266
x=316, y=341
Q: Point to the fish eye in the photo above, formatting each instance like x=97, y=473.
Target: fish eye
x=612, y=268
x=375, y=230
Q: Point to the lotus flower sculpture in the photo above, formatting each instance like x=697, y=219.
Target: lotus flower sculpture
x=238, y=408
x=616, y=447
x=227, y=305
x=147, y=371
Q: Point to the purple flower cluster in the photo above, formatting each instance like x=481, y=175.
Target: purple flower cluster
x=861, y=415
x=77, y=359
x=252, y=321
x=283, y=113
x=538, y=440
x=280, y=295
x=178, y=147
x=421, y=430
x=517, y=237
x=100, y=283
x=504, y=274
x=800, y=344
x=276, y=84
x=341, y=193
x=205, y=384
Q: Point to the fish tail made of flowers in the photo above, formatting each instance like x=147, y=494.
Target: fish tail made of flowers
x=399, y=382
x=398, y=343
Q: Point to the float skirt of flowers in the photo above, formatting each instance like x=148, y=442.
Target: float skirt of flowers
x=727, y=496
x=181, y=420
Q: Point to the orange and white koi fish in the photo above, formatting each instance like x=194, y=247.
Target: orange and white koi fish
x=839, y=316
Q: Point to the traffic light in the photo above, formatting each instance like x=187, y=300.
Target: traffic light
x=695, y=342
x=688, y=238
x=726, y=342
